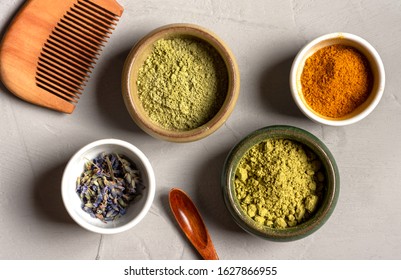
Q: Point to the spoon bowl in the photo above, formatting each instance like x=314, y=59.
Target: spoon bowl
x=191, y=223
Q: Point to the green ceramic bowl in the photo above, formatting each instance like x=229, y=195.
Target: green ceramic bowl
x=330, y=193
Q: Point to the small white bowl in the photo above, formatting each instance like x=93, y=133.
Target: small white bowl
x=347, y=39
x=136, y=211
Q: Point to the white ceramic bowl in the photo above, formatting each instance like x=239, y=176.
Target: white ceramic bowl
x=135, y=211
x=347, y=39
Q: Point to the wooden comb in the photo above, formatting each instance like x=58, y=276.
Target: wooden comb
x=50, y=47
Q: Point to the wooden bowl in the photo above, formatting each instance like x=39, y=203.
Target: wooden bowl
x=139, y=54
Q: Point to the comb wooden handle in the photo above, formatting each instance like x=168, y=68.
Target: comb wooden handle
x=50, y=46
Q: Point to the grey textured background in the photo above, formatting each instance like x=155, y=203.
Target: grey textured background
x=264, y=35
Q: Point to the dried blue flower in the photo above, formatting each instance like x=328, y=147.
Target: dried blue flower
x=107, y=186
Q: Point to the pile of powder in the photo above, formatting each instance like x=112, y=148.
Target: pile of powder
x=183, y=83
x=279, y=183
x=336, y=80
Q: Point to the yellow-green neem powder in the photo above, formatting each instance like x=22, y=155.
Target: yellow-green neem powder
x=279, y=183
x=183, y=83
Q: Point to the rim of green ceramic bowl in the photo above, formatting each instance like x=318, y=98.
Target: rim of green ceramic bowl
x=332, y=187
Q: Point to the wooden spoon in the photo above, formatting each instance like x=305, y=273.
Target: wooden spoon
x=191, y=222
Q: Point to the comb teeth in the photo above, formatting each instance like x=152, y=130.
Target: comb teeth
x=71, y=50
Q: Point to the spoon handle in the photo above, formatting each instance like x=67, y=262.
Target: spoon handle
x=191, y=223
x=209, y=254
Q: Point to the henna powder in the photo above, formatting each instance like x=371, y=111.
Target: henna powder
x=279, y=183
x=183, y=83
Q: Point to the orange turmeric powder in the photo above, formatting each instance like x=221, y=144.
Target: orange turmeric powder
x=336, y=80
